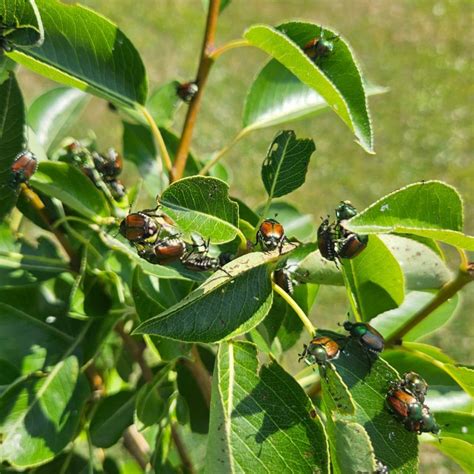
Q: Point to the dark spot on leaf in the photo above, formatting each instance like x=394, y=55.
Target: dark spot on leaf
x=312, y=413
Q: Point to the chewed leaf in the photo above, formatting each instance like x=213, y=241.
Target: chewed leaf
x=286, y=164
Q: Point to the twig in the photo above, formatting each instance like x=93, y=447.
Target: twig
x=200, y=374
x=137, y=446
x=136, y=351
x=296, y=308
x=183, y=454
x=465, y=275
x=205, y=65
x=159, y=138
x=238, y=43
x=37, y=204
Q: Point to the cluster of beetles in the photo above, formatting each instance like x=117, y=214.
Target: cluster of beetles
x=405, y=397
x=157, y=240
x=102, y=169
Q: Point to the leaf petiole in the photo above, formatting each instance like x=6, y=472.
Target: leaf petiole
x=296, y=308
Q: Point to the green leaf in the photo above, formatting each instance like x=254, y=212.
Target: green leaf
x=6, y=67
x=375, y=279
x=68, y=184
x=286, y=164
x=456, y=424
x=25, y=22
x=315, y=269
x=368, y=389
x=12, y=138
x=430, y=209
x=41, y=414
x=163, y=104
x=150, y=405
x=112, y=416
x=82, y=49
x=353, y=448
x=201, y=204
x=422, y=267
x=53, y=113
x=390, y=321
x=220, y=308
x=152, y=296
x=139, y=148
x=261, y=419
x=337, y=78
x=27, y=343
x=459, y=451
x=464, y=376
x=277, y=97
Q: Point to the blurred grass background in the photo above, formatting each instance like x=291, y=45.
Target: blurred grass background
x=421, y=51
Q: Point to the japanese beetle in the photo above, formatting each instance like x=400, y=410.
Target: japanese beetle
x=345, y=211
x=5, y=44
x=405, y=407
x=352, y=245
x=415, y=416
x=225, y=257
x=414, y=384
x=117, y=189
x=369, y=338
x=319, y=47
x=320, y=350
x=138, y=227
x=326, y=241
x=271, y=235
x=284, y=280
x=163, y=251
x=187, y=90
x=428, y=423
x=23, y=168
x=108, y=165
x=380, y=467
x=200, y=262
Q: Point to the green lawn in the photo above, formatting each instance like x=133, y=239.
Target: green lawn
x=423, y=126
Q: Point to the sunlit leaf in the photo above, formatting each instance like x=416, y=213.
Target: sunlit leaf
x=53, y=113
x=430, y=209
x=84, y=50
x=337, y=78
x=261, y=419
